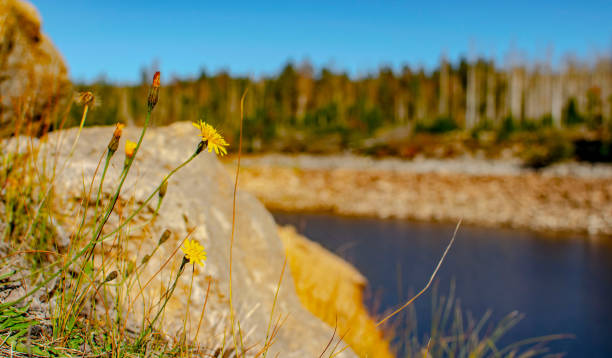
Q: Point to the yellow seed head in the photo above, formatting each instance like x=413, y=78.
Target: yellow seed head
x=86, y=98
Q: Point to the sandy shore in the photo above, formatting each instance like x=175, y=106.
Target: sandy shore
x=570, y=197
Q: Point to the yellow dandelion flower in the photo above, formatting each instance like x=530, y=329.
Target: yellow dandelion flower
x=194, y=252
x=213, y=139
x=129, y=148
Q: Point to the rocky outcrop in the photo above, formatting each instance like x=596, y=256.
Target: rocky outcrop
x=198, y=205
x=33, y=77
x=336, y=298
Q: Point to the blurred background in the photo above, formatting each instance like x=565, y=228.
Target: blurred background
x=327, y=77
x=386, y=122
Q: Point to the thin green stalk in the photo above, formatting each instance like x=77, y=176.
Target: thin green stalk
x=40, y=285
x=168, y=294
x=231, y=248
x=280, y=280
x=111, y=205
x=48, y=191
x=123, y=176
x=152, y=100
x=84, y=215
x=135, y=212
x=184, y=337
x=107, y=162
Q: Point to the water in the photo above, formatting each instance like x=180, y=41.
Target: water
x=561, y=284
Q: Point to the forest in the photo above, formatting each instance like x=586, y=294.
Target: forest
x=305, y=109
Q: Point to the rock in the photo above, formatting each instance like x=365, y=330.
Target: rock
x=198, y=205
x=33, y=77
x=337, y=298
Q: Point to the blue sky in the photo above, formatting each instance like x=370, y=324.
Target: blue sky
x=119, y=38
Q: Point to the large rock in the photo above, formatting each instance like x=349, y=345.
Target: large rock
x=33, y=77
x=337, y=298
x=198, y=205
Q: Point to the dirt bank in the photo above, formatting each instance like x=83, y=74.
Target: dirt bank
x=566, y=198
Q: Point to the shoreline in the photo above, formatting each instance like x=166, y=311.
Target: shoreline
x=569, y=198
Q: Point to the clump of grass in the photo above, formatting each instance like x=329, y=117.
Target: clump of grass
x=73, y=283
x=457, y=334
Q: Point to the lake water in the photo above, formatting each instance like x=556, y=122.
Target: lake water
x=561, y=284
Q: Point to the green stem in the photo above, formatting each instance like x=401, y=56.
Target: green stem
x=168, y=294
x=113, y=201
x=108, y=157
x=78, y=234
x=123, y=176
x=55, y=175
x=39, y=286
x=135, y=212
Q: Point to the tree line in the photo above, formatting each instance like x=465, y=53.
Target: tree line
x=461, y=95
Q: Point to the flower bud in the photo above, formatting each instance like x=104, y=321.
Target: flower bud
x=114, y=142
x=129, y=148
x=111, y=276
x=118, y=130
x=163, y=188
x=154, y=91
x=145, y=259
x=130, y=267
x=164, y=237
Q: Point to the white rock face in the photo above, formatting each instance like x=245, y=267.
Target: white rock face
x=198, y=205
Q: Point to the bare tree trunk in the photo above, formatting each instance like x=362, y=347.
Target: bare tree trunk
x=516, y=93
x=124, y=111
x=557, y=98
x=472, y=110
x=491, y=91
x=444, y=88
x=604, y=76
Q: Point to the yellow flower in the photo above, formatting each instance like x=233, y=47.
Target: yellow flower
x=213, y=139
x=194, y=252
x=129, y=148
